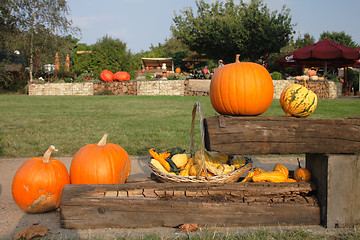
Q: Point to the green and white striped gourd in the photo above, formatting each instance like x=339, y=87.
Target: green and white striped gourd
x=298, y=101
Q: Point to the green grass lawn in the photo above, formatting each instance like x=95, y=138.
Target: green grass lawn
x=30, y=124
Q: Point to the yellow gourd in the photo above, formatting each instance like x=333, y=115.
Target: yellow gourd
x=160, y=167
x=180, y=160
x=219, y=157
x=281, y=168
x=186, y=171
x=252, y=173
x=274, y=176
x=238, y=161
x=210, y=164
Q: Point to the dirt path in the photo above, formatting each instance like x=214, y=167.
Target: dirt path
x=13, y=219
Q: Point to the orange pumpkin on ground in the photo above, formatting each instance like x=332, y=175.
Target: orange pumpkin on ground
x=178, y=70
x=101, y=163
x=302, y=174
x=107, y=76
x=121, y=76
x=38, y=183
x=241, y=88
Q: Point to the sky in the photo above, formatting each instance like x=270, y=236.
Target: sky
x=142, y=23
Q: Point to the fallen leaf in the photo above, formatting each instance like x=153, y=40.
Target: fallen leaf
x=188, y=227
x=31, y=231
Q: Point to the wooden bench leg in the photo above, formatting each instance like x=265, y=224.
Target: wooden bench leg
x=337, y=177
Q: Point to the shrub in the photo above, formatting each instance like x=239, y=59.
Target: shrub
x=276, y=75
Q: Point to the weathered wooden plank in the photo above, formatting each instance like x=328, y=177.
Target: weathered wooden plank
x=127, y=213
x=281, y=135
x=183, y=190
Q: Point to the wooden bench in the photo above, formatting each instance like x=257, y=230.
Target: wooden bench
x=331, y=147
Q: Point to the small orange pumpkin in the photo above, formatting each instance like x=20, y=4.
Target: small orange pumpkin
x=302, y=174
x=241, y=88
x=38, y=183
x=178, y=70
x=101, y=163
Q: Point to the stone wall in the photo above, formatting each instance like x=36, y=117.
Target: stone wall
x=116, y=88
x=61, y=89
x=322, y=88
x=197, y=87
x=191, y=87
x=161, y=87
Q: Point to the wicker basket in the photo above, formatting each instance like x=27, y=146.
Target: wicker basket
x=224, y=178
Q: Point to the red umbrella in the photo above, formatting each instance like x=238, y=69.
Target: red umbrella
x=325, y=53
x=326, y=49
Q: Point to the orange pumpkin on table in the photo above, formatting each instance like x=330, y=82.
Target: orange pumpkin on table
x=241, y=88
x=101, y=163
x=38, y=183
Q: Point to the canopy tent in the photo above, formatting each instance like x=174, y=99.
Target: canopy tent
x=323, y=53
x=158, y=62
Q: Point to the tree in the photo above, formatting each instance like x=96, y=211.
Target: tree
x=339, y=37
x=33, y=16
x=303, y=41
x=111, y=54
x=221, y=30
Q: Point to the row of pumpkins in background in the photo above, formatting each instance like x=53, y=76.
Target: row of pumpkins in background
x=240, y=88
x=108, y=76
x=309, y=75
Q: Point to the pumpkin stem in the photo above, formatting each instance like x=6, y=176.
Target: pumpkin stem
x=299, y=162
x=237, y=58
x=102, y=142
x=47, y=154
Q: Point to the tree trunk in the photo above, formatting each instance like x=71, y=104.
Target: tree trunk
x=32, y=44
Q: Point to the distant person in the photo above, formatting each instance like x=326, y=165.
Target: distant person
x=206, y=70
x=221, y=63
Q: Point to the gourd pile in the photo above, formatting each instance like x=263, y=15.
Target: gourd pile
x=175, y=162
x=279, y=174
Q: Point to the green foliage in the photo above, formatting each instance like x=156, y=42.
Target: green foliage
x=221, y=30
x=107, y=53
x=149, y=76
x=353, y=77
x=276, y=75
x=304, y=41
x=339, y=37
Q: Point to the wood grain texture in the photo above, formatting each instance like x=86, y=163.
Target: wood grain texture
x=151, y=204
x=281, y=135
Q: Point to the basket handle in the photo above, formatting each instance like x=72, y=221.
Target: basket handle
x=191, y=151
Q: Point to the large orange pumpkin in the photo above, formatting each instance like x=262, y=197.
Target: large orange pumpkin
x=101, y=163
x=107, y=76
x=38, y=183
x=122, y=76
x=241, y=88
